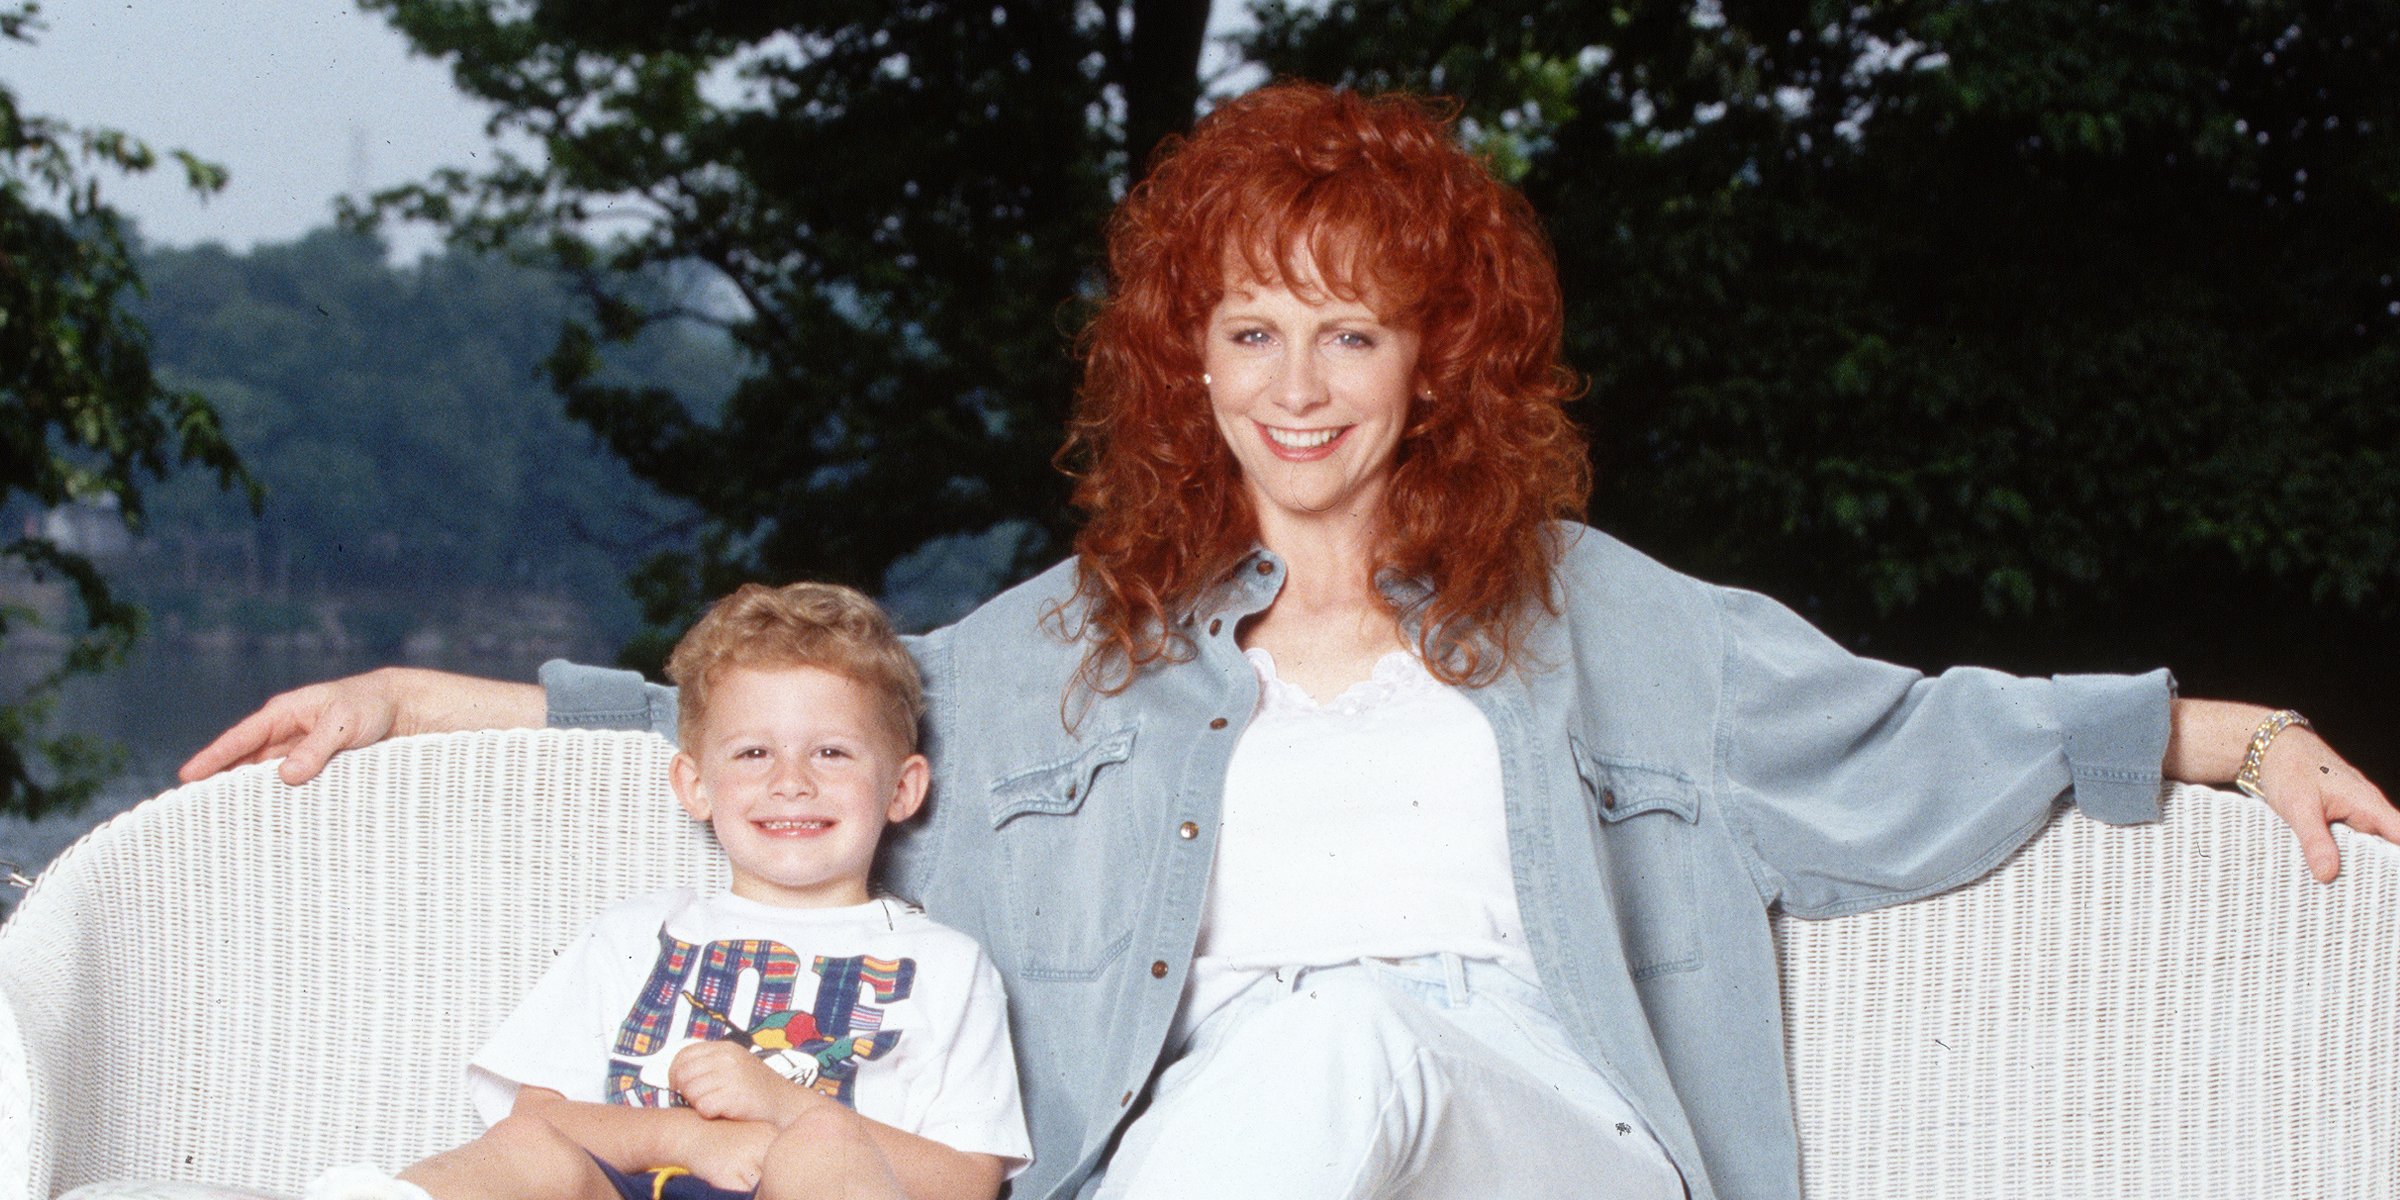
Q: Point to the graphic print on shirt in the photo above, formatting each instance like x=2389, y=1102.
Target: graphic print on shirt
x=692, y=994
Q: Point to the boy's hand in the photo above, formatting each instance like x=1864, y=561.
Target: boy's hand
x=730, y=1154
x=725, y=1081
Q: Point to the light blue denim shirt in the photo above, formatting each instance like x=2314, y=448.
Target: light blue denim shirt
x=1678, y=759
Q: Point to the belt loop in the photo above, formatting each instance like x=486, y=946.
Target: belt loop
x=1454, y=978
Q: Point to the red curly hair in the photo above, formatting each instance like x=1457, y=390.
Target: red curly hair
x=1375, y=192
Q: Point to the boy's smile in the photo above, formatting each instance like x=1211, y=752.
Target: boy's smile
x=799, y=772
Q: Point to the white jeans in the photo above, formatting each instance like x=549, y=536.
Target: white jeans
x=1429, y=1077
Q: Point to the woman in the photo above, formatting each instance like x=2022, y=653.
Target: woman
x=1344, y=821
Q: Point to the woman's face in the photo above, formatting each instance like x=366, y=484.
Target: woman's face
x=1311, y=391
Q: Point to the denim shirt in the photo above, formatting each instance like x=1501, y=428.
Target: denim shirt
x=1678, y=759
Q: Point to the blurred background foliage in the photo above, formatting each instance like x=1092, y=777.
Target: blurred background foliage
x=901, y=204
x=2050, y=335
x=83, y=419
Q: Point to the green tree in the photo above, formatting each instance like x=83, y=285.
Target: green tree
x=83, y=420
x=899, y=205
x=2047, y=334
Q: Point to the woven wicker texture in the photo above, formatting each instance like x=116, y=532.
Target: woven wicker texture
x=240, y=983
x=16, y=1107
x=266, y=981
x=165, y=1189
x=2172, y=1010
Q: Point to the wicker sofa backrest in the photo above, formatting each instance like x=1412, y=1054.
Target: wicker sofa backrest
x=2172, y=1010
x=239, y=983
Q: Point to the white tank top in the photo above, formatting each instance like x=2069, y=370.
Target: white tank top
x=1369, y=826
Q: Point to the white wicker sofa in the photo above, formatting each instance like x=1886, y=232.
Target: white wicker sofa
x=237, y=984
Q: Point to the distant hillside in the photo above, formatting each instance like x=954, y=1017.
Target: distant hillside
x=412, y=450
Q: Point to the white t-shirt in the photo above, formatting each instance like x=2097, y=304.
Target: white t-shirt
x=1368, y=826
x=876, y=1005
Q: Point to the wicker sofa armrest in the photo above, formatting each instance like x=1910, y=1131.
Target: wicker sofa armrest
x=16, y=1107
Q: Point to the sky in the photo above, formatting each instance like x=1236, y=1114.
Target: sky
x=300, y=101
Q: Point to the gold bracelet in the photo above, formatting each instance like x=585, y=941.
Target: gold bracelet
x=2276, y=722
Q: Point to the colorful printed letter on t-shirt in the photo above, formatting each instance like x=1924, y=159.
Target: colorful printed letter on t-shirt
x=820, y=1046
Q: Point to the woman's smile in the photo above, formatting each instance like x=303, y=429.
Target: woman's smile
x=1302, y=445
x=1311, y=393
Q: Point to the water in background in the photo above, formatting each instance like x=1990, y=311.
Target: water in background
x=169, y=701
x=175, y=695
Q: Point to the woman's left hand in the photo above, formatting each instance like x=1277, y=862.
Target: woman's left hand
x=2305, y=781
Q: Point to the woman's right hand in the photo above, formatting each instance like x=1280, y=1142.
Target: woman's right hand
x=309, y=725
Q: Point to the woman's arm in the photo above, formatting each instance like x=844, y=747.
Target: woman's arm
x=2306, y=783
x=308, y=725
x=1858, y=783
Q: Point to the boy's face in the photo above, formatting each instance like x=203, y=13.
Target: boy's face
x=799, y=772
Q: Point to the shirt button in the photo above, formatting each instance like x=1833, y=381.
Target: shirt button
x=1216, y=723
x=1214, y=626
x=1608, y=798
x=1265, y=567
x=1125, y=1099
x=1158, y=970
x=1187, y=831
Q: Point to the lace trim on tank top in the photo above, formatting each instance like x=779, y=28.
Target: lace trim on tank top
x=1397, y=676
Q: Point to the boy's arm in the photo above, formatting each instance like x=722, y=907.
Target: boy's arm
x=727, y=1153
x=726, y=1082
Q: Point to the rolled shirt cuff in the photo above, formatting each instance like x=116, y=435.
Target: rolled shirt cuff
x=2116, y=734
x=581, y=697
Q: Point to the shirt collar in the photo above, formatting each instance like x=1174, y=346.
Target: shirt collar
x=1254, y=582
x=1250, y=587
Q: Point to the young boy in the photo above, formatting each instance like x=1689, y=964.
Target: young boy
x=795, y=1037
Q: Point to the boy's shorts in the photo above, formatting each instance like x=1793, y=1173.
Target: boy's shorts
x=666, y=1183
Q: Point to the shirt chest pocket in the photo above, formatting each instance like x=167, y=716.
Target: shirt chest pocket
x=1063, y=830
x=1648, y=826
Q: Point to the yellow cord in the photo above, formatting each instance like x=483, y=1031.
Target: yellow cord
x=659, y=1178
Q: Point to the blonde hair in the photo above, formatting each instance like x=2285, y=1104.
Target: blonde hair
x=821, y=625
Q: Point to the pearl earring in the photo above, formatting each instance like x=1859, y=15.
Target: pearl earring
x=1205, y=380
